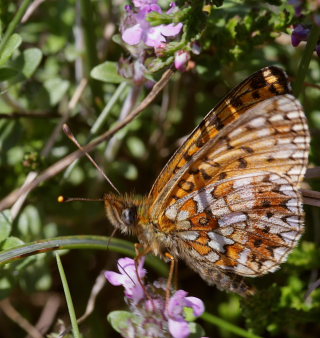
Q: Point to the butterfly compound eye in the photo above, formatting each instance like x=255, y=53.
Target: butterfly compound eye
x=129, y=215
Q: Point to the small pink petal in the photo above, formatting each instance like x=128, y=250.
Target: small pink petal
x=181, y=59
x=132, y=35
x=196, y=304
x=154, y=37
x=178, y=329
x=142, y=3
x=114, y=278
x=171, y=29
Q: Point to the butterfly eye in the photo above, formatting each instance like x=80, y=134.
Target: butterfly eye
x=129, y=215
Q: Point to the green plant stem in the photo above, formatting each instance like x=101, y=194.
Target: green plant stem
x=89, y=29
x=79, y=242
x=66, y=290
x=106, y=110
x=99, y=122
x=223, y=324
x=13, y=24
x=305, y=60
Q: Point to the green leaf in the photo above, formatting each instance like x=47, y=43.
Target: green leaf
x=29, y=222
x=136, y=147
x=119, y=320
x=28, y=61
x=56, y=88
x=12, y=44
x=5, y=224
x=196, y=330
x=107, y=72
x=7, y=73
x=11, y=242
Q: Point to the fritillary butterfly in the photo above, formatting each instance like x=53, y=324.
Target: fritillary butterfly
x=228, y=200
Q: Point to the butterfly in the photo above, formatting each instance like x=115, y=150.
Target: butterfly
x=228, y=201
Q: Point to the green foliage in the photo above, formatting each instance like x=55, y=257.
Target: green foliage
x=45, y=59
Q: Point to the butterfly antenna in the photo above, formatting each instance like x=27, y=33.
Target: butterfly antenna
x=70, y=135
x=62, y=199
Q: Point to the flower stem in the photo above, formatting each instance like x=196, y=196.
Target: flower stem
x=90, y=38
x=13, y=24
x=208, y=317
x=66, y=290
x=305, y=60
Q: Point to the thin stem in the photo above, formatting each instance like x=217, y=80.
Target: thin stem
x=106, y=110
x=90, y=40
x=99, y=122
x=66, y=290
x=305, y=60
x=13, y=24
x=208, y=317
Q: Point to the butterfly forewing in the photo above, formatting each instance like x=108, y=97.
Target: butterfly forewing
x=266, y=83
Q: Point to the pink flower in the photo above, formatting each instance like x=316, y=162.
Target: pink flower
x=128, y=278
x=137, y=29
x=149, y=314
x=178, y=326
x=181, y=60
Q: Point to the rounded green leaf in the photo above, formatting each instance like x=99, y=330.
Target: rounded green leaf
x=136, y=147
x=12, y=44
x=31, y=59
x=56, y=88
x=119, y=320
x=107, y=72
x=7, y=73
x=5, y=224
x=11, y=242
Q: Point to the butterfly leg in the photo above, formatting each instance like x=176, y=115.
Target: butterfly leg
x=171, y=274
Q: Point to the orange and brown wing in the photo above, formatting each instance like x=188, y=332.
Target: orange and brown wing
x=186, y=171
x=245, y=225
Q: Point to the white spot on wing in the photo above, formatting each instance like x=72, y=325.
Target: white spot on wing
x=280, y=254
x=257, y=122
x=188, y=235
x=171, y=213
x=218, y=242
x=212, y=257
x=182, y=215
x=235, y=217
x=203, y=199
x=244, y=256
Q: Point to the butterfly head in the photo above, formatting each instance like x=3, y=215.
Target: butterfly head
x=122, y=212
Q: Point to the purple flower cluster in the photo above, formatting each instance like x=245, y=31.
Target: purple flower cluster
x=152, y=315
x=298, y=6
x=137, y=29
x=301, y=31
x=141, y=37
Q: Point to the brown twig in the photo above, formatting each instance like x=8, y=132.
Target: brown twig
x=312, y=173
x=311, y=197
x=16, y=317
x=12, y=116
x=67, y=160
x=31, y=9
x=48, y=314
x=97, y=287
